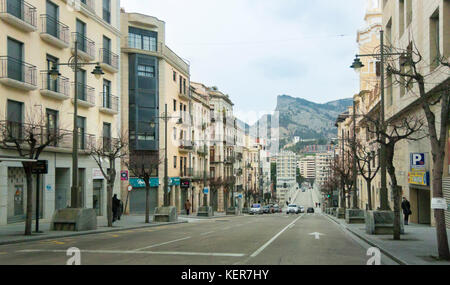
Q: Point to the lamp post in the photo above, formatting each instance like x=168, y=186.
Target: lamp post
x=165, y=117
x=357, y=65
x=54, y=74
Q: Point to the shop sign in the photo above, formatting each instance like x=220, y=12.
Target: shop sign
x=174, y=181
x=124, y=175
x=97, y=174
x=185, y=183
x=205, y=191
x=439, y=204
x=140, y=183
x=421, y=178
x=39, y=167
x=418, y=162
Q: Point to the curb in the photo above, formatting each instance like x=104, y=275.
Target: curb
x=74, y=234
x=384, y=251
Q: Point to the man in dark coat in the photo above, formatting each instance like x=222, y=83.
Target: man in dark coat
x=406, y=206
x=115, y=207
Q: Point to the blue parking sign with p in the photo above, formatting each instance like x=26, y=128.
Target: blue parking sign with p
x=418, y=161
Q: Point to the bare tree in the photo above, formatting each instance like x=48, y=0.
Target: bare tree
x=109, y=150
x=343, y=167
x=29, y=140
x=407, y=128
x=366, y=159
x=409, y=72
x=144, y=165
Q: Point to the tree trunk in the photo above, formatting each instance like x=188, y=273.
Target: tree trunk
x=109, y=194
x=396, y=190
x=369, y=193
x=29, y=212
x=439, y=215
x=147, y=201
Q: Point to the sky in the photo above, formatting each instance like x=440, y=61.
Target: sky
x=255, y=50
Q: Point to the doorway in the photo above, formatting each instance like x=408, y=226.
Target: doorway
x=62, y=188
x=97, y=196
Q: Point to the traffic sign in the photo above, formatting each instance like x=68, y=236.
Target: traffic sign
x=130, y=188
x=205, y=190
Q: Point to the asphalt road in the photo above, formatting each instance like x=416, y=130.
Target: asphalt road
x=246, y=240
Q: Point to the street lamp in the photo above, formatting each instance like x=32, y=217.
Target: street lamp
x=357, y=65
x=54, y=74
x=164, y=116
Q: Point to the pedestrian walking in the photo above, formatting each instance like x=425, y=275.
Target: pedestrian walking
x=115, y=207
x=187, y=206
x=406, y=206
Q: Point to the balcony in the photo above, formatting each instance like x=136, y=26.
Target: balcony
x=110, y=103
x=59, y=140
x=183, y=96
x=230, y=160
x=86, y=46
x=19, y=14
x=215, y=159
x=186, y=146
x=109, y=61
x=87, y=6
x=54, y=32
x=202, y=150
x=86, y=97
x=186, y=172
x=131, y=45
x=58, y=89
x=17, y=74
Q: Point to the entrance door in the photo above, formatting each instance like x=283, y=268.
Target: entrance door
x=424, y=206
x=62, y=187
x=97, y=196
x=18, y=201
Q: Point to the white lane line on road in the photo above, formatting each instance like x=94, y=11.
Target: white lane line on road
x=164, y=243
x=139, y=252
x=258, y=251
x=207, y=233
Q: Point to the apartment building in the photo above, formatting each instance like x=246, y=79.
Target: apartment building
x=421, y=25
x=35, y=36
x=307, y=166
x=201, y=122
x=323, y=163
x=155, y=79
x=222, y=155
x=286, y=175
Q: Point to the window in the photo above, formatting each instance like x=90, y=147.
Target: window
x=389, y=34
x=174, y=104
x=401, y=17
x=434, y=40
x=146, y=71
x=142, y=39
x=52, y=17
x=174, y=133
x=52, y=126
x=175, y=76
x=81, y=126
x=14, y=119
x=409, y=12
x=184, y=87
x=106, y=50
x=174, y=162
x=15, y=60
x=81, y=35
x=106, y=94
x=52, y=85
x=181, y=84
x=81, y=82
x=107, y=11
x=106, y=137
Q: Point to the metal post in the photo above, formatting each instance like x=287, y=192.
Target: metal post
x=75, y=190
x=205, y=196
x=355, y=172
x=383, y=191
x=166, y=177
x=343, y=198
x=37, y=201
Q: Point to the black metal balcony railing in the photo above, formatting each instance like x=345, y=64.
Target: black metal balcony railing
x=19, y=9
x=84, y=44
x=186, y=172
x=110, y=101
x=186, y=144
x=53, y=27
x=22, y=133
x=88, y=4
x=60, y=85
x=85, y=93
x=108, y=57
x=18, y=70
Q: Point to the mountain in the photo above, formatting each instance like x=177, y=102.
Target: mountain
x=305, y=119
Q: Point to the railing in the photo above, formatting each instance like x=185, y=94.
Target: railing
x=22, y=133
x=53, y=27
x=60, y=85
x=18, y=70
x=134, y=43
x=110, y=101
x=187, y=172
x=186, y=144
x=19, y=9
x=85, y=93
x=108, y=57
x=215, y=158
x=84, y=44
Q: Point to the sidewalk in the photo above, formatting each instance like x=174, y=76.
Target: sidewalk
x=417, y=246
x=14, y=233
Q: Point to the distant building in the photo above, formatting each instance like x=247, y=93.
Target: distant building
x=286, y=175
x=307, y=166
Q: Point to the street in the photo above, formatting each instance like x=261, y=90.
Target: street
x=276, y=239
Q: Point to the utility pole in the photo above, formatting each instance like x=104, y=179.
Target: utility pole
x=166, y=166
x=75, y=189
x=355, y=172
x=383, y=191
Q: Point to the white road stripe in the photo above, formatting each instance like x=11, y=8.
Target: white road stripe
x=257, y=252
x=164, y=243
x=139, y=252
x=207, y=233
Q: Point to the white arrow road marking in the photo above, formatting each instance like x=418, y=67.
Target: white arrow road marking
x=317, y=235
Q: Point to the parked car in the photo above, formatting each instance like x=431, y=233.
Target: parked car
x=256, y=209
x=310, y=211
x=302, y=209
x=277, y=209
x=266, y=210
x=293, y=209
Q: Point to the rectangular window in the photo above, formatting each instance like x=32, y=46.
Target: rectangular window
x=184, y=86
x=434, y=40
x=409, y=12
x=52, y=85
x=81, y=35
x=106, y=137
x=107, y=11
x=174, y=104
x=142, y=39
x=14, y=119
x=81, y=83
x=174, y=162
x=52, y=126
x=15, y=60
x=401, y=17
x=146, y=71
x=81, y=126
x=175, y=76
x=181, y=84
x=106, y=94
